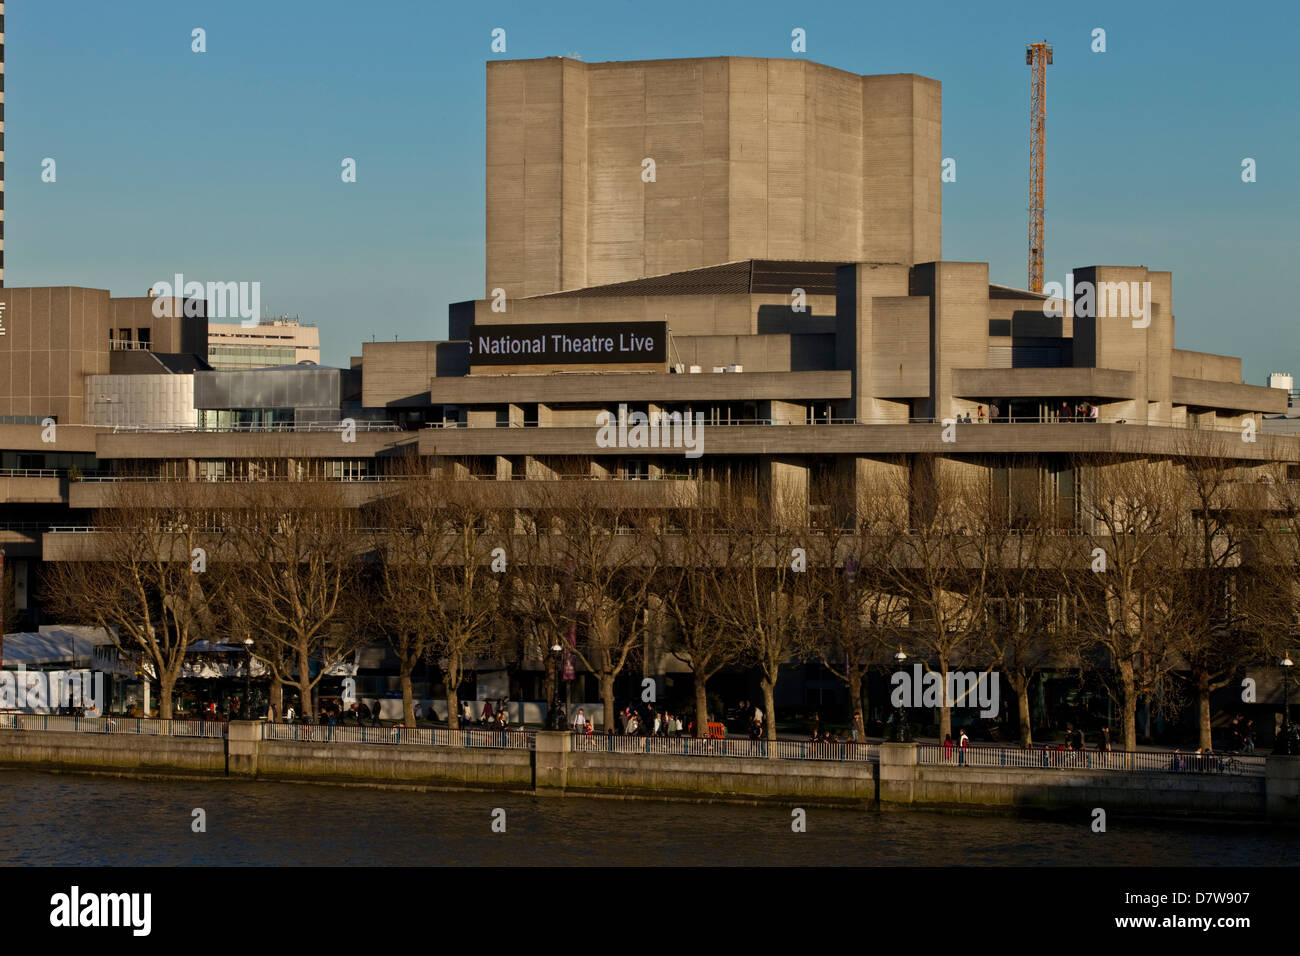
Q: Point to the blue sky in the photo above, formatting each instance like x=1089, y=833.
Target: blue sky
x=225, y=165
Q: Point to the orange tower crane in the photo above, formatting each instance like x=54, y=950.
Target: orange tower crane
x=1039, y=57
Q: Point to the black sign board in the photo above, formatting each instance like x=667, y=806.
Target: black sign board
x=571, y=343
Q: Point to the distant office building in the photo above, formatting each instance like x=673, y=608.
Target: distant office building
x=279, y=341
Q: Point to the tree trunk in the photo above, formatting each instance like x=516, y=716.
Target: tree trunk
x=607, y=699
x=1022, y=709
x=166, y=684
x=701, y=703
x=277, y=696
x=945, y=711
x=408, y=699
x=855, y=700
x=451, y=677
x=1203, y=708
x=1128, y=705
x=304, y=681
x=769, y=710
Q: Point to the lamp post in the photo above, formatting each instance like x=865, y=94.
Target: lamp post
x=1286, y=664
x=900, y=732
x=248, y=678
x=555, y=718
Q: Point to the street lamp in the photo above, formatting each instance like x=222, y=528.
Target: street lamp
x=248, y=678
x=1286, y=664
x=899, y=731
x=555, y=717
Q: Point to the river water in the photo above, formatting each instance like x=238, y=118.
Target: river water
x=54, y=818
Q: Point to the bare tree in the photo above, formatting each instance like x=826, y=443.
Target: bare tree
x=694, y=559
x=1023, y=610
x=939, y=565
x=860, y=619
x=300, y=550
x=766, y=591
x=1213, y=541
x=1121, y=577
x=603, y=536
x=150, y=575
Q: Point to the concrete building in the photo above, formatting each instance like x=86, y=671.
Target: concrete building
x=272, y=342
x=778, y=277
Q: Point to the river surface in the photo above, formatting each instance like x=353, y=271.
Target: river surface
x=66, y=819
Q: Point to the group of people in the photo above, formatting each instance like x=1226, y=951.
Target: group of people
x=821, y=735
x=494, y=716
x=332, y=713
x=655, y=723
x=751, y=715
x=963, y=742
x=979, y=416
x=1241, y=735
x=1082, y=412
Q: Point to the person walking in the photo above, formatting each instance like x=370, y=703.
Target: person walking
x=374, y=713
x=580, y=721
x=964, y=742
x=947, y=748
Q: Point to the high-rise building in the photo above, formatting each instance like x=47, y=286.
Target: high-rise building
x=272, y=342
x=2, y=144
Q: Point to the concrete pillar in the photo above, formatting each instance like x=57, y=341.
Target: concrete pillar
x=1282, y=789
x=787, y=490
x=550, y=762
x=243, y=737
x=536, y=468
x=898, y=763
x=505, y=468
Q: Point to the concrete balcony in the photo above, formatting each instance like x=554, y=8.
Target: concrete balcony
x=107, y=493
x=248, y=444
x=47, y=489
x=1228, y=396
x=21, y=540
x=1097, y=384
x=854, y=439
x=485, y=492
x=641, y=387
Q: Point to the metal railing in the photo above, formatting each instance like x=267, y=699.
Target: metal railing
x=237, y=479
x=722, y=747
x=1050, y=419
x=144, y=727
x=361, y=425
x=1124, y=761
x=419, y=736
x=32, y=472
